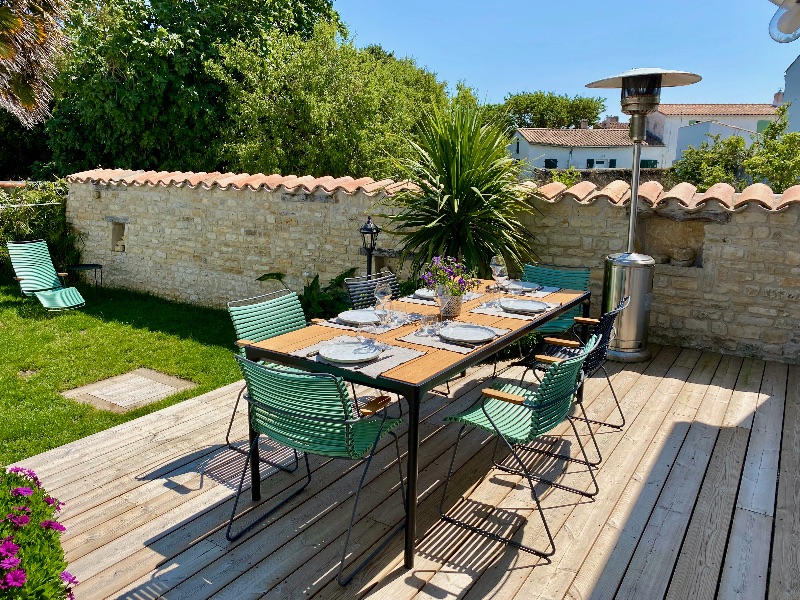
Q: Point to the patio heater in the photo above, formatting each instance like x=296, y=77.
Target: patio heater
x=369, y=237
x=629, y=273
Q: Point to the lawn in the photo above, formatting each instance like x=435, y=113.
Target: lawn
x=43, y=354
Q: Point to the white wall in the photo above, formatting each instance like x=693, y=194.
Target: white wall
x=792, y=94
x=694, y=135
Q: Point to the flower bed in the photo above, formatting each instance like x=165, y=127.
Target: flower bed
x=32, y=561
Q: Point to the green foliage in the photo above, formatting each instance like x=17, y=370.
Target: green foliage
x=136, y=90
x=468, y=197
x=547, y=109
x=720, y=161
x=20, y=159
x=568, y=177
x=35, y=544
x=775, y=155
x=318, y=301
x=320, y=106
x=38, y=222
x=43, y=354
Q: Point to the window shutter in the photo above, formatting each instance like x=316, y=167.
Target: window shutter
x=550, y=163
x=612, y=163
x=590, y=163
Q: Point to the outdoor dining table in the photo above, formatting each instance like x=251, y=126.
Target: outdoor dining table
x=418, y=376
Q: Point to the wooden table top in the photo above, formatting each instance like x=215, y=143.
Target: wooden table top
x=434, y=360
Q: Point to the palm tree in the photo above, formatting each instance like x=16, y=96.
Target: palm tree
x=30, y=41
x=466, y=198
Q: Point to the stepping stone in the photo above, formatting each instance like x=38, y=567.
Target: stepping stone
x=129, y=391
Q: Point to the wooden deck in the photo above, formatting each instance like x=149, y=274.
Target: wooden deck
x=699, y=498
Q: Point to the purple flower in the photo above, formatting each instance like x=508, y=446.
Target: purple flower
x=54, y=502
x=16, y=578
x=70, y=595
x=25, y=509
x=68, y=578
x=18, y=520
x=8, y=548
x=22, y=491
x=56, y=526
x=10, y=562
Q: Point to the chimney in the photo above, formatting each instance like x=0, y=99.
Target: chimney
x=777, y=100
x=584, y=123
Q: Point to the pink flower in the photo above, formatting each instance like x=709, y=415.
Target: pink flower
x=8, y=548
x=10, y=562
x=18, y=520
x=24, y=509
x=16, y=578
x=55, y=525
x=68, y=578
x=22, y=491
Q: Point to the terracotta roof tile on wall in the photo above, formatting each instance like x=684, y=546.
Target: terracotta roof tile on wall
x=236, y=181
x=588, y=138
x=684, y=195
x=710, y=110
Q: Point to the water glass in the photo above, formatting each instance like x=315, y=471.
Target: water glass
x=428, y=325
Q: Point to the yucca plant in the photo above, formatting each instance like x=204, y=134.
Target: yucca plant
x=466, y=198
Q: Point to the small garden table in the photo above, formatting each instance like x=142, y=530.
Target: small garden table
x=90, y=267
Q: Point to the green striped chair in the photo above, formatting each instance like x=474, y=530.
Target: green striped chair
x=311, y=413
x=570, y=278
x=259, y=318
x=518, y=416
x=37, y=277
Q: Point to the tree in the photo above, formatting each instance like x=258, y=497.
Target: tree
x=775, y=156
x=721, y=161
x=320, y=106
x=467, y=196
x=30, y=42
x=22, y=158
x=136, y=91
x=546, y=109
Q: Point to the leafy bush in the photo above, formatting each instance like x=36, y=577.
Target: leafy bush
x=29, y=222
x=467, y=196
x=32, y=561
x=568, y=177
x=317, y=301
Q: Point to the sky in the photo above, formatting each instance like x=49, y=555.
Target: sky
x=506, y=46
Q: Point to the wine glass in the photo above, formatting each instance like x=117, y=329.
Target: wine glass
x=383, y=291
x=499, y=274
x=443, y=296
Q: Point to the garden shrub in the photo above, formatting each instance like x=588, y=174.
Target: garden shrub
x=32, y=561
x=38, y=222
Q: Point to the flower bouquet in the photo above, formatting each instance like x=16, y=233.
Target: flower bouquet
x=451, y=280
x=32, y=561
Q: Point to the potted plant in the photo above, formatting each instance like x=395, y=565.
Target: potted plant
x=32, y=561
x=451, y=280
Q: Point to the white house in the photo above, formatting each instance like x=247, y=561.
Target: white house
x=697, y=133
x=791, y=94
x=582, y=148
x=669, y=120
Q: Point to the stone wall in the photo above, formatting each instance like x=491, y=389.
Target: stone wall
x=742, y=293
x=208, y=246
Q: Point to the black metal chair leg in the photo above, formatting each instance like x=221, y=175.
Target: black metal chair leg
x=398, y=528
x=489, y=534
x=616, y=401
x=585, y=418
x=232, y=537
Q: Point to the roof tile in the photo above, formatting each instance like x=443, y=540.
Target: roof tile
x=710, y=110
x=588, y=138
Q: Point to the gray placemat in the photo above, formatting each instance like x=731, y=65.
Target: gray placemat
x=437, y=342
x=467, y=297
x=392, y=357
x=499, y=312
x=336, y=324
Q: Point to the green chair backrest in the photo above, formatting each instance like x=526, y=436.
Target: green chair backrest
x=262, y=317
x=553, y=398
x=309, y=412
x=570, y=278
x=33, y=265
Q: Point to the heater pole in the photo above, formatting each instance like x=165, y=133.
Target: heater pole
x=637, y=154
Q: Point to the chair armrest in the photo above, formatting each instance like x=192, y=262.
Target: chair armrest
x=374, y=405
x=559, y=342
x=18, y=278
x=316, y=321
x=586, y=321
x=504, y=396
x=243, y=343
x=62, y=274
x=550, y=360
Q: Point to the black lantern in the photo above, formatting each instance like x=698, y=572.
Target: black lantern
x=369, y=238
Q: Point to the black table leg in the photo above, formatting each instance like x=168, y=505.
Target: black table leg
x=255, y=471
x=413, y=467
x=584, y=338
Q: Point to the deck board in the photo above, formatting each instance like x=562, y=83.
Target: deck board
x=699, y=498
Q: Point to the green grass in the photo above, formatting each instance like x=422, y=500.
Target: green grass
x=43, y=354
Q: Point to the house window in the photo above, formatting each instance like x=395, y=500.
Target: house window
x=517, y=151
x=550, y=163
x=648, y=163
x=117, y=237
x=612, y=163
x=600, y=164
x=590, y=163
x=762, y=125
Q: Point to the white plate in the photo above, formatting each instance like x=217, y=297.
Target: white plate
x=359, y=317
x=350, y=353
x=425, y=294
x=473, y=334
x=523, y=306
x=515, y=285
